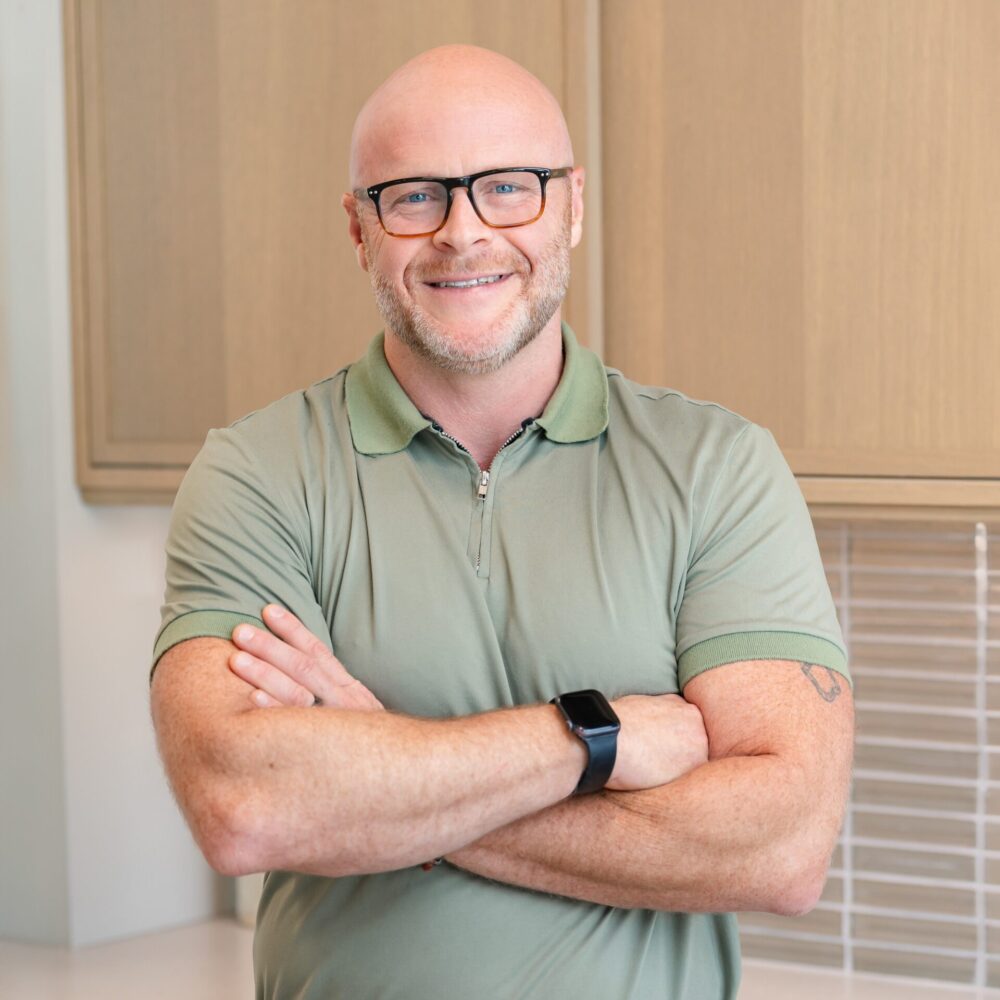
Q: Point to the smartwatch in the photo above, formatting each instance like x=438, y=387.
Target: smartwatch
x=589, y=716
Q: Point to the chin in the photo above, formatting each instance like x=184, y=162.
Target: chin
x=452, y=347
x=470, y=356
x=491, y=349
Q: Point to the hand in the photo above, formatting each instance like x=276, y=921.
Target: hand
x=662, y=737
x=291, y=666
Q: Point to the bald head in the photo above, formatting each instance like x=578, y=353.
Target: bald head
x=454, y=110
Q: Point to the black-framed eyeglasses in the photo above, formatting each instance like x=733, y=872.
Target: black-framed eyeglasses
x=503, y=199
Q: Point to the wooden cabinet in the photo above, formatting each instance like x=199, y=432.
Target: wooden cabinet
x=802, y=221
x=792, y=209
x=208, y=155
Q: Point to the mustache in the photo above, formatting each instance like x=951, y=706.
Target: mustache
x=478, y=265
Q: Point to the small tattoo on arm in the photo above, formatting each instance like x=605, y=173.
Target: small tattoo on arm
x=824, y=680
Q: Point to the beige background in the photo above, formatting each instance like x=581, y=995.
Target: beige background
x=791, y=210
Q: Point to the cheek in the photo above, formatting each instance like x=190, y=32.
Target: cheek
x=391, y=265
x=527, y=251
x=378, y=250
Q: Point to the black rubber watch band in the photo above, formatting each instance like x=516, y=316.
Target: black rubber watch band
x=591, y=718
x=603, y=750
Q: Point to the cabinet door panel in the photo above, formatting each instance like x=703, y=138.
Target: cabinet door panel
x=703, y=228
x=818, y=234
x=152, y=239
x=791, y=210
x=212, y=267
x=902, y=239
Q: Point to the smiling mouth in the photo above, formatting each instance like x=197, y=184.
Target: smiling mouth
x=490, y=279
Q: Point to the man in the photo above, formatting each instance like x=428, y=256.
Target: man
x=478, y=517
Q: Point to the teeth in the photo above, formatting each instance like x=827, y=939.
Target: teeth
x=469, y=283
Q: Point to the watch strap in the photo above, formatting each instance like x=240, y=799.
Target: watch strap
x=602, y=750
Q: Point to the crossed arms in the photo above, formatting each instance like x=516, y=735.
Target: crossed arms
x=346, y=790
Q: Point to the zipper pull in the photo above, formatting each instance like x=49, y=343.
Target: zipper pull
x=484, y=485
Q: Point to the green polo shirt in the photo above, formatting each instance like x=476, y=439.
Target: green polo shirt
x=627, y=539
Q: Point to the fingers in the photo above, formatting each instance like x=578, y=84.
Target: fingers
x=318, y=673
x=289, y=629
x=365, y=698
x=290, y=665
x=270, y=681
x=263, y=700
x=292, y=632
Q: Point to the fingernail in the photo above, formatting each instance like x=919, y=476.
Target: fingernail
x=259, y=698
x=244, y=633
x=242, y=659
x=275, y=612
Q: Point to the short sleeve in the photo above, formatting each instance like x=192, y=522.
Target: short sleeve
x=235, y=544
x=755, y=586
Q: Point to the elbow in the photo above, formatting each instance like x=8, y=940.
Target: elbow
x=229, y=856
x=798, y=887
x=800, y=863
x=797, y=898
x=227, y=859
x=241, y=832
x=229, y=833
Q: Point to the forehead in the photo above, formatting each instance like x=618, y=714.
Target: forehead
x=451, y=137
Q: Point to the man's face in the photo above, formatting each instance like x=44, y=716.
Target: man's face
x=478, y=329
x=472, y=329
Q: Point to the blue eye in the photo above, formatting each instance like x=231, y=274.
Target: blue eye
x=504, y=188
x=416, y=197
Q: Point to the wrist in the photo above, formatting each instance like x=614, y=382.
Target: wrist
x=573, y=753
x=591, y=719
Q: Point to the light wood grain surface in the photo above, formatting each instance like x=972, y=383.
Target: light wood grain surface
x=791, y=209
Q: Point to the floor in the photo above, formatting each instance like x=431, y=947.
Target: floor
x=217, y=962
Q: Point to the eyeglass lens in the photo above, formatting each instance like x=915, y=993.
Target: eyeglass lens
x=501, y=199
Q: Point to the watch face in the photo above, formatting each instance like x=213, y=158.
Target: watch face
x=589, y=709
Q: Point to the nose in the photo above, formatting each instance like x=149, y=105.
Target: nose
x=463, y=229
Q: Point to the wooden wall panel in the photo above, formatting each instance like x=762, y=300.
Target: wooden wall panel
x=291, y=85
x=703, y=161
x=209, y=141
x=297, y=307
x=152, y=241
x=902, y=238
x=820, y=252
x=791, y=209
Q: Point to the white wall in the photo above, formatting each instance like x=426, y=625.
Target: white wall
x=33, y=864
x=92, y=846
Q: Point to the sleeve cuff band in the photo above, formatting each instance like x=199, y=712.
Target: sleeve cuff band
x=199, y=624
x=739, y=646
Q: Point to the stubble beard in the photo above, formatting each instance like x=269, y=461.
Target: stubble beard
x=543, y=289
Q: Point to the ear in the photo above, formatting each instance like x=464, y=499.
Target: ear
x=351, y=207
x=577, y=178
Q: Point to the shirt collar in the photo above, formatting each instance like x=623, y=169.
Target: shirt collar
x=384, y=419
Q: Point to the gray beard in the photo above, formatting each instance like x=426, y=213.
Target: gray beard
x=544, y=290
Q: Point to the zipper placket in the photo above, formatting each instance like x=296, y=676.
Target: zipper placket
x=484, y=478
x=483, y=490
x=454, y=440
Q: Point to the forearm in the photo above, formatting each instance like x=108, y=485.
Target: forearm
x=337, y=791
x=752, y=829
x=734, y=834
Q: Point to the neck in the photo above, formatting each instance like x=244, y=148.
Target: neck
x=482, y=411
